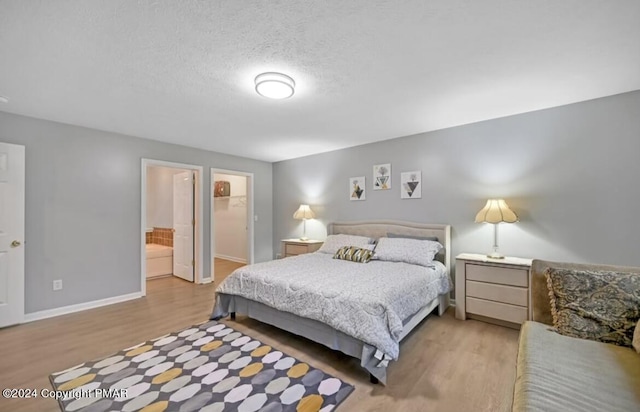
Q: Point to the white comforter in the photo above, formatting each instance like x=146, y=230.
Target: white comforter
x=367, y=301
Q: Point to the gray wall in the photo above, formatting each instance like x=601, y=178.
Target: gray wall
x=570, y=173
x=83, y=194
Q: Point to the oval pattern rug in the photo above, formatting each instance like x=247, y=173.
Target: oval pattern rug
x=209, y=367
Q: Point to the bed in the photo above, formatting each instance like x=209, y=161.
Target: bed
x=362, y=310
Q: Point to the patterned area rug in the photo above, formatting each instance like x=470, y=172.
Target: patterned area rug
x=208, y=367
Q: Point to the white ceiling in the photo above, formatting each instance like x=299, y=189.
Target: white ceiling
x=182, y=71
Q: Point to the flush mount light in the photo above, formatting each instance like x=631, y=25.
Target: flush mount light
x=275, y=85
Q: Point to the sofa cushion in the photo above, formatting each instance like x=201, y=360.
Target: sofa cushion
x=540, y=293
x=597, y=305
x=560, y=373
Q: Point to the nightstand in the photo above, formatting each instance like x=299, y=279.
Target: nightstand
x=294, y=247
x=493, y=290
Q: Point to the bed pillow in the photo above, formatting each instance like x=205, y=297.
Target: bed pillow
x=416, y=252
x=335, y=242
x=398, y=235
x=354, y=254
x=602, y=306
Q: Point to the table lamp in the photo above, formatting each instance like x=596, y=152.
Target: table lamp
x=496, y=211
x=303, y=213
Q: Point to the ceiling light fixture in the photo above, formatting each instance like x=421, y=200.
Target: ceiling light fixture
x=4, y=99
x=275, y=85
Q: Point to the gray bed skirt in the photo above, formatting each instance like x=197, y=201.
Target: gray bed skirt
x=374, y=361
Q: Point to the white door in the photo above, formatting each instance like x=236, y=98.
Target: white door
x=183, y=225
x=11, y=234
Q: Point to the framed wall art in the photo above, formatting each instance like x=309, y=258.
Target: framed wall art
x=411, y=185
x=357, y=188
x=382, y=177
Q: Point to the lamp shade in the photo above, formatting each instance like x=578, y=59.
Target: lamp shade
x=304, y=212
x=496, y=211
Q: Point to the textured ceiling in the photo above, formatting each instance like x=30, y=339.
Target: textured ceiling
x=182, y=71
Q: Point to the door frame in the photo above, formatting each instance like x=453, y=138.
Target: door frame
x=199, y=227
x=250, y=216
x=17, y=303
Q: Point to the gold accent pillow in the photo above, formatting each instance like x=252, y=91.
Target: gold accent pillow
x=597, y=305
x=354, y=254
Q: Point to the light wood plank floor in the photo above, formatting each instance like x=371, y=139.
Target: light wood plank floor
x=445, y=365
x=223, y=269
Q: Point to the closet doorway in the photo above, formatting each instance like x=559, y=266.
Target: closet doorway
x=232, y=220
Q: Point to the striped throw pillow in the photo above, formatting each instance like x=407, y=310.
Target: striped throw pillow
x=353, y=254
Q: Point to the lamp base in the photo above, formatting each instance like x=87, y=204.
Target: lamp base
x=495, y=255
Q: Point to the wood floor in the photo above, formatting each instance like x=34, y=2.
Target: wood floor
x=223, y=269
x=445, y=365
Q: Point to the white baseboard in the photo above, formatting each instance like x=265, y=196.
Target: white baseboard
x=50, y=313
x=205, y=280
x=231, y=258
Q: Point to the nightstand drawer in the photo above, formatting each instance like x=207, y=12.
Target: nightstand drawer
x=498, y=293
x=291, y=250
x=500, y=275
x=295, y=247
x=503, y=311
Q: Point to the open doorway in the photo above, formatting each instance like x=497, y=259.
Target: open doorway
x=171, y=221
x=231, y=221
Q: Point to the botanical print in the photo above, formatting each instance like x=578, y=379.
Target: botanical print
x=357, y=188
x=411, y=183
x=382, y=177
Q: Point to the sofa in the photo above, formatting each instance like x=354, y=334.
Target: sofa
x=562, y=373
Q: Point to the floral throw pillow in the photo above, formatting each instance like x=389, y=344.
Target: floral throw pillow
x=597, y=305
x=354, y=254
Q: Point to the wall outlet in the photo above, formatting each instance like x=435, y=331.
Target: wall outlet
x=57, y=284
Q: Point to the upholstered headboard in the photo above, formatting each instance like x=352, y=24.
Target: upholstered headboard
x=379, y=228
